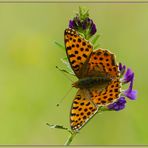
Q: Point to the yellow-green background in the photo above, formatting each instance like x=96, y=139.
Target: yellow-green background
x=31, y=86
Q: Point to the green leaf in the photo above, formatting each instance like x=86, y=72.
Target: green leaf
x=65, y=58
x=96, y=46
x=83, y=13
x=67, y=65
x=94, y=40
x=56, y=126
x=59, y=127
x=60, y=45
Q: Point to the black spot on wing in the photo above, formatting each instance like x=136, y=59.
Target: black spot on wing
x=76, y=52
x=82, y=103
x=72, y=62
x=83, y=43
x=81, y=48
x=99, y=53
x=68, y=48
x=84, y=55
x=79, y=40
x=106, y=53
x=86, y=49
x=78, y=58
x=71, y=55
x=75, y=107
x=77, y=45
x=76, y=66
x=88, y=113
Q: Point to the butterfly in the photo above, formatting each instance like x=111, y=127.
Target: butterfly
x=98, y=78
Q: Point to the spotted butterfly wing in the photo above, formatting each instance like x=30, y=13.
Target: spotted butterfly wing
x=87, y=102
x=102, y=63
x=82, y=110
x=78, y=51
x=108, y=94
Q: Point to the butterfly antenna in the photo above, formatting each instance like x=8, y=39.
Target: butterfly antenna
x=64, y=97
x=63, y=72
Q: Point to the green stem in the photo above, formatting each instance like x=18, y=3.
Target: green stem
x=70, y=138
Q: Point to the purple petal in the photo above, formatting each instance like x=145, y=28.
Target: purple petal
x=93, y=29
x=84, y=25
x=71, y=24
x=122, y=100
x=122, y=68
x=131, y=94
x=118, y=105
x=129, y=76
x=77, y=21
x=121, y=107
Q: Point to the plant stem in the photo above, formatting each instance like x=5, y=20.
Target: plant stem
x=70, y=138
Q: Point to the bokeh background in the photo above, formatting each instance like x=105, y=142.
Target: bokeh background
x=31, y=86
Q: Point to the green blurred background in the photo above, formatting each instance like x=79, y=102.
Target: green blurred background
x=31, y=86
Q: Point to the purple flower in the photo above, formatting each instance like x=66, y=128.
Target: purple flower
x=93, y=29
x=83, y=24
x=129, y=76
x=118, y=105
x=71, y=24
x=131, y=94
x=122, y=68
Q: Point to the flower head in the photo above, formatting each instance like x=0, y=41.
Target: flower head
x=118, y=105
x=122, y=68
x=131, y=94
x=129, y=76
x=82, y=23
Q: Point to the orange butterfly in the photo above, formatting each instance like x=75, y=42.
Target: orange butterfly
x=98, y=74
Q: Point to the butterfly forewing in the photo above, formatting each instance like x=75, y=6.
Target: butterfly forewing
x=78, y=51
x=102, y=63
x=82, y=110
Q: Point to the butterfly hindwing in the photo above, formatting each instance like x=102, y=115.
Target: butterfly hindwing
x=81, y=111
x=78, y=50
x=107, y=95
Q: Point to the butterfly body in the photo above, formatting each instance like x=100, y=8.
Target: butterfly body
x=98, y=78
x=90, y=82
